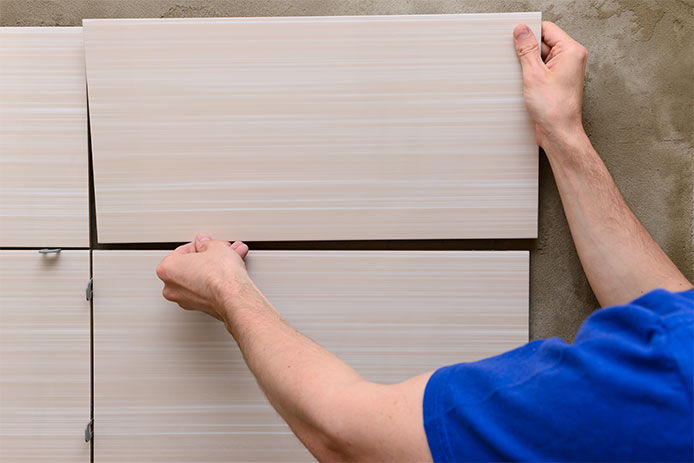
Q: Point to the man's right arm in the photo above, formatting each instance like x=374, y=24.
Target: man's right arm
x=619, y=257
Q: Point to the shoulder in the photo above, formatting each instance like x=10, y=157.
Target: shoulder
x=650, y=341
x=622, y=377
x=640, y=319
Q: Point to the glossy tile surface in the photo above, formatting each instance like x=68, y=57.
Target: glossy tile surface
x=44, y=357
x=331, y=128
x=44, y=196
x=171, y=385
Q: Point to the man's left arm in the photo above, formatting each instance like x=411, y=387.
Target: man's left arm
x=336, y=414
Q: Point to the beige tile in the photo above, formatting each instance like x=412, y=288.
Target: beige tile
x=44, y=196
x=171, y=385
x=390, y=127
x=44, y=357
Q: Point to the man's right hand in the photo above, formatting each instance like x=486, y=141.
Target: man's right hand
x=552, y=80
x=620, y=258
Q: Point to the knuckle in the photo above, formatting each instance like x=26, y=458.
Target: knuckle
x=581, y=51
x=167, y=293
x=162, y=270
x=525, y=49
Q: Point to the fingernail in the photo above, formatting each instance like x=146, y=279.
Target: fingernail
x=203, y=237
x=522, y=32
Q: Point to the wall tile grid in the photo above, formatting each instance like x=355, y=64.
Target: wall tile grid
x=261, y=129
x=44, y=317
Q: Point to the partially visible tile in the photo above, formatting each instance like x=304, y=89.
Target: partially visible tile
x=330, y=128
x=44, y=357
x=172, y=386
x=44, y=194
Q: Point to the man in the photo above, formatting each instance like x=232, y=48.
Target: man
x=621, y=391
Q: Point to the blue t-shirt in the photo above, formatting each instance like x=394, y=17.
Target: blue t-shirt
x=621, y=391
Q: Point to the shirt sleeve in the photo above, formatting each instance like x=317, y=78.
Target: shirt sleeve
x=474, y=411
x=613, y=395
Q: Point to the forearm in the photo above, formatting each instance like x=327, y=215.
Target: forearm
x=335, y=413
x=303, y=381
x=619, y=257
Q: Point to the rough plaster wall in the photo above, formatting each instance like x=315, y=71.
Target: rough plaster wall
x=638, y=112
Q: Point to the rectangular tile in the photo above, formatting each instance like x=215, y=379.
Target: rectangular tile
x=171, y=385
x=331, y=128
x=44, y=357
x=44, y=192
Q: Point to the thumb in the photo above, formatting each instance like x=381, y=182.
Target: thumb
x=527, y=49
x=240, y=248
x=202, y=240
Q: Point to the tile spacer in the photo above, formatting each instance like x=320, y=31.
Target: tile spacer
x=89, y=431
x=50, y=251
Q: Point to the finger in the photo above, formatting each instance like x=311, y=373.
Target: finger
x=545, y=51
x=527, y=49
x=240, y=248
x=201, y=241
x=185, y=248
x=552, y=34
x=170, y=293
x=163, y=270
x=550, y=60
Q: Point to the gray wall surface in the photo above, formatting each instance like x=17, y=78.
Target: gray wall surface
x=638, y=112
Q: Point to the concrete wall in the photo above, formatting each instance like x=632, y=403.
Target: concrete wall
x=638, y=111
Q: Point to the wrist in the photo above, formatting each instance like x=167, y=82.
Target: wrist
x=226, y=295
x=559, y=132
x=240, y=303
x=563, y=143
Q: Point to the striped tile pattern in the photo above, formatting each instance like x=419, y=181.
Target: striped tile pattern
x=44, y=196
x=380, y=127
x=44, y=357
x=171, y=385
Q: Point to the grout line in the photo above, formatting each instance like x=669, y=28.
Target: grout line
x=93, y=238
x=35, y=248
x=348, y=245
x=91, y=355
x=352, y=245
x=92, y=242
